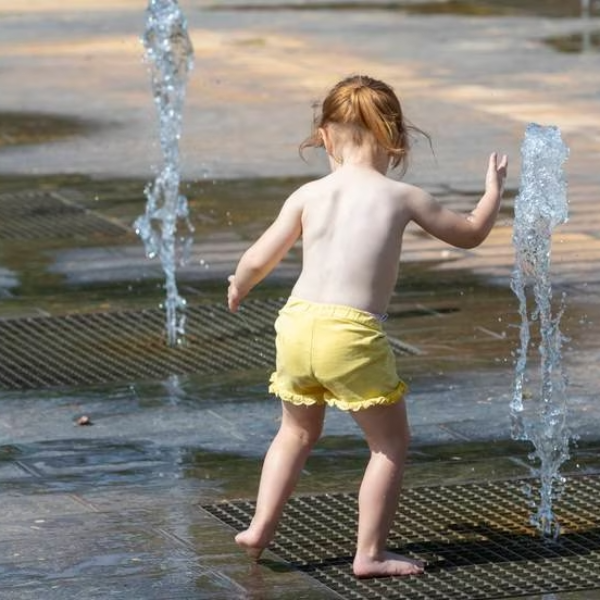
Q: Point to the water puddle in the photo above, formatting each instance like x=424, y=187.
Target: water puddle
x=540, y=8
x=584, y=41
x=220, y=214
x=20, y=128
x=576, y=43
x=219, y=210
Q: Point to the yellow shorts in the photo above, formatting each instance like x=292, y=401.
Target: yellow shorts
x=333, y=354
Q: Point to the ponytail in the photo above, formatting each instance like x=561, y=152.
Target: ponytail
x=368, y=107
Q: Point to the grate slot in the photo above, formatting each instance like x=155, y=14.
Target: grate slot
x=475, y=538
x=29, y=215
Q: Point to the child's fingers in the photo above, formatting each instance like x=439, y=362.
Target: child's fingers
x=232, y=295
x=233, y=303
x=497, y=163
x=497, y=166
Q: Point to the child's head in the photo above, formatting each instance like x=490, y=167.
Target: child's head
x=368, y=109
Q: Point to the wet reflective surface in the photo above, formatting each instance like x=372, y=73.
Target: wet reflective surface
x=17, y=128
x=586, y=41
x=155, y=449
x=541, y=8
x=89, y=507
x=112, y=509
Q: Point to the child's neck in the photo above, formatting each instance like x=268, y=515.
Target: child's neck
x=364, y=157
x=366, y=160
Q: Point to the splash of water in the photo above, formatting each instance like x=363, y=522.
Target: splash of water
x=540, y=206
x=170, y=54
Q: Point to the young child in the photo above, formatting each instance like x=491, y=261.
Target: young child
x=331, y=349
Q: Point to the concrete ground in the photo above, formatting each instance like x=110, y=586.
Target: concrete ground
x=112, y=510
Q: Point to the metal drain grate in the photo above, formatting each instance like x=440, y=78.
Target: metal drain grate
x=34, y=215
x=86, y=349
x=475, y=538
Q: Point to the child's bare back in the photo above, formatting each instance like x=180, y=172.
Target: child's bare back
x=351, y=223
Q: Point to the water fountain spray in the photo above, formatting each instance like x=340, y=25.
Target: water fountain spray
x=170, y=53
x=538, y=408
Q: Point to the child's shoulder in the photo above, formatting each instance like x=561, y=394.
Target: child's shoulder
x=305, y=192
x=403, y=190
x=313, y=187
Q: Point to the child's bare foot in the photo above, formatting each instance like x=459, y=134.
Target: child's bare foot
x=251, y=543
x=388, y=565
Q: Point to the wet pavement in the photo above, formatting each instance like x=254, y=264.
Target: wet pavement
x=113, y=509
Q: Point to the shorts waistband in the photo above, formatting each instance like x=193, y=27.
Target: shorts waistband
x=340, y=311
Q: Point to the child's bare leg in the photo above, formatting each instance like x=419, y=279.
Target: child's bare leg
x=386, y=431
x=300, y=428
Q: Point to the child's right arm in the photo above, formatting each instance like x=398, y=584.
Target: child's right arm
x=266, y=253
x=463, y=231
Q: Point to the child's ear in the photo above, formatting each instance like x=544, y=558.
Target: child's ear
x=325, y=138
x=321, y=134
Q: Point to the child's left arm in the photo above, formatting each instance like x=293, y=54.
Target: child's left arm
x=463, y=231
x=266, y=253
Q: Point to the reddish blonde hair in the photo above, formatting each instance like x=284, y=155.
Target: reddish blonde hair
x=366, y=105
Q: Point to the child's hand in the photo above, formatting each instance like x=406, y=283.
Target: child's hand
x=496, y=173
x=234, y=297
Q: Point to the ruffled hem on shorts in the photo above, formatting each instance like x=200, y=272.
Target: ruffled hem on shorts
x=357, y=405
x=296, y=399
x=353, y=406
